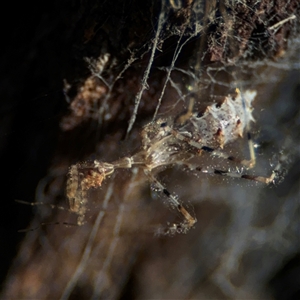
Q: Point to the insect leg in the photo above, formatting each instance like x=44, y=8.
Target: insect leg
x=189, y=221
x=263, y=179
x=221, y=154
x=212, y=151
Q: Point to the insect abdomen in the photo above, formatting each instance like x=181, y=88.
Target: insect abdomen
x=222, y=123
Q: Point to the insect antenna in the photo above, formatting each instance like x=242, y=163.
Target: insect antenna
x=46, y=224
x=53, y=206
x=42, y=204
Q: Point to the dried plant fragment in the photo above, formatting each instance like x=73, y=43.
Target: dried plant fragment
x=85, y=104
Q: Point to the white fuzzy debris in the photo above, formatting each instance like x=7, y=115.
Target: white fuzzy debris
x=222, y=123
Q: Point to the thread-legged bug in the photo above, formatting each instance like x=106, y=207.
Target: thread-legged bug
x=165, y=143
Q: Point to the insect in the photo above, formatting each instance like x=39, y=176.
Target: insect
x=166, y=142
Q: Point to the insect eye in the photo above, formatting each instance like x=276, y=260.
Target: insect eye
x=199, y=115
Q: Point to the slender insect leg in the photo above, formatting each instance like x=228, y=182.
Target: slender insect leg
x=189, y=220
x=53, y=206
x=227, y=173
x=46, y=224
x=212, y=151
x=221, y=154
